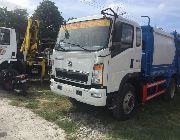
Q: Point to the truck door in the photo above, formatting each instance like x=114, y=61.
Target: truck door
x=4, y=43
x=125, y=55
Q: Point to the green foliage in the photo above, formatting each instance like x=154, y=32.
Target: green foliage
x=14, y=19
x=50, y=19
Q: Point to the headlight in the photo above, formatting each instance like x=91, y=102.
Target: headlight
x=97, y=76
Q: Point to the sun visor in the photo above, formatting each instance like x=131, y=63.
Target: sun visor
x=86, y=24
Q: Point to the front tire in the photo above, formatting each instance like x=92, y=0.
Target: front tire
x=124, y=102
x=7, y=76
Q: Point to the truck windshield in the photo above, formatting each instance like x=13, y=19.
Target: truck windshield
x=4, y=36
x=87, y=35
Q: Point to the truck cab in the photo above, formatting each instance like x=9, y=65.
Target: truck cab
x=12, y=75
x=8, y=45
x=94, y=57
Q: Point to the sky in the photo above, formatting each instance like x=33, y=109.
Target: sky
x=164, y=14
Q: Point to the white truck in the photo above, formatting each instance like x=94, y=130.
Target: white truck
x=8, y=45
x=12, y=75
x=111, y=61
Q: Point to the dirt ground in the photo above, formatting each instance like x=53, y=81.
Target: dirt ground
x=18, y=123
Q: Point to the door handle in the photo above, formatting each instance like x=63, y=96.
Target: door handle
x=132, y=63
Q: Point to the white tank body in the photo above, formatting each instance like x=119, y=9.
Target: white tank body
x=164, y=48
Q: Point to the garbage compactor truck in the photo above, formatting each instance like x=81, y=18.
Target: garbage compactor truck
x=111, y=61
x=12, y=75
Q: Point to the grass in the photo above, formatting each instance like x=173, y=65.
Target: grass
x=49, y=106
x=156, y=120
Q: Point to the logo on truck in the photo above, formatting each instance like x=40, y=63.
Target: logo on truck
x=70, y=64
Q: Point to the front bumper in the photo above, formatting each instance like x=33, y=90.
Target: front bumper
x=87, y=96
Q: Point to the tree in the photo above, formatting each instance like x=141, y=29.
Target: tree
x=19, y=21
x=4, y=17
x=50, y=19
x=14, y=19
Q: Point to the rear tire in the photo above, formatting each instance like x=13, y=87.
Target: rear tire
x=169, y=95
x=124, y=102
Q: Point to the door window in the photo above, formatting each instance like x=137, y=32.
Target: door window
x=122, y=38
x=4, y=37
x=138, y=37
x=127, y=34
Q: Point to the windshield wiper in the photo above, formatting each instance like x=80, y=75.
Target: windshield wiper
x=82, y=47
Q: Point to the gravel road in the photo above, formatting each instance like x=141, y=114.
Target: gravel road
x=17, y=123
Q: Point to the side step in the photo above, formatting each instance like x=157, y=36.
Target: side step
x=158, y=91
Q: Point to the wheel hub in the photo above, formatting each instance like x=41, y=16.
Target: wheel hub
x=129, y=103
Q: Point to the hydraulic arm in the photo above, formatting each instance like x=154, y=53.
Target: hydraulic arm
x=30, y=47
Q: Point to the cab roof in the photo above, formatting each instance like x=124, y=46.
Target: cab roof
x=94, y=17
